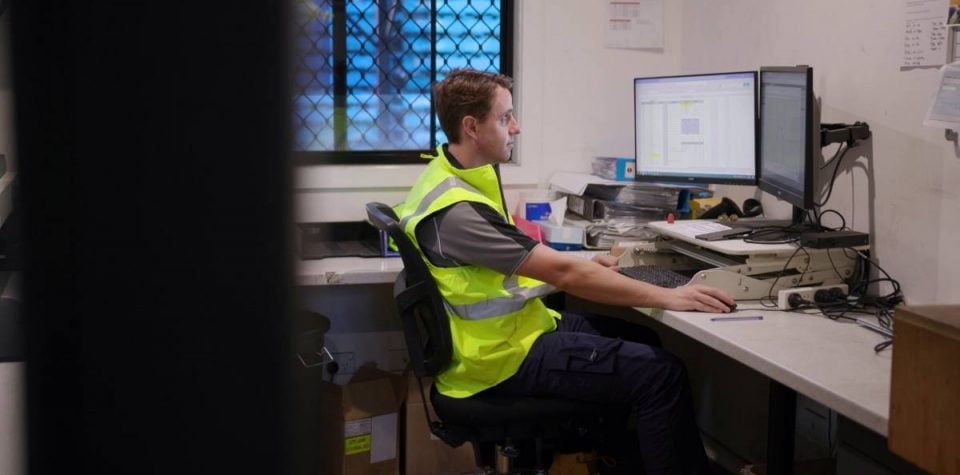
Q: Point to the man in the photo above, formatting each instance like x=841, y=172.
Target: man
x=492, y=277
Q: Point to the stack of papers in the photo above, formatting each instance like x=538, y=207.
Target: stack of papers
x=632, y=213
x=604, y=234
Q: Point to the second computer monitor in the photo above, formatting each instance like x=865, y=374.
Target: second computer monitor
x=696, y=128
x=787, y=134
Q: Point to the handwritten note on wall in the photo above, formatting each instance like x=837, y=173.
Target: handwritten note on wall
x=924, y=32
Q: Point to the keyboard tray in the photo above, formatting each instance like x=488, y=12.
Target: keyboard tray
x=656, y=275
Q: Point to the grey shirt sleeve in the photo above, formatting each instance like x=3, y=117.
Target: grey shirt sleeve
x=472, y=233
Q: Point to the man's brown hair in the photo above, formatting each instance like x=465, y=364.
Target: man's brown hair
x=466, y=92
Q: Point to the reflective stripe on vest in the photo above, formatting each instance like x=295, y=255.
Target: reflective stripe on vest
x=499, y=306
x=436, y=192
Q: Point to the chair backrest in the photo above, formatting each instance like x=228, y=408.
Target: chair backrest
x=426, y=327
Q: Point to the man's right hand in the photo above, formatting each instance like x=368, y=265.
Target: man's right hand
x=592, y=281
x=700, y=298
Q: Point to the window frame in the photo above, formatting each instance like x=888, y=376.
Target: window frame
x=397, y=157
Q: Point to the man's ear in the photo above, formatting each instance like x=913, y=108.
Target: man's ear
x=468, y=126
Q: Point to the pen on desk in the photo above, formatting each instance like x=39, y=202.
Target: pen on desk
x=735, y=319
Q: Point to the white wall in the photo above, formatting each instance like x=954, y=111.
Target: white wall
x=576, y=97
x=906, y=194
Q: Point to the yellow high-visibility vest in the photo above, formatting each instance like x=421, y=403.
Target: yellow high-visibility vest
x=494, y=319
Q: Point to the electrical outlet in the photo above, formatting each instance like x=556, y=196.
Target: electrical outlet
x=805, y=293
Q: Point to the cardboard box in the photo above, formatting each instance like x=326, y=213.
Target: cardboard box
x=580, y=463
x=371, y=408
x=424, y=452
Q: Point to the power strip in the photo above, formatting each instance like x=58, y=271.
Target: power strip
x=805, y=293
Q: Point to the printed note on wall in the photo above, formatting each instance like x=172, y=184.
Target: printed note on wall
x=634, y=24
x=944, y=111
x=924, y=32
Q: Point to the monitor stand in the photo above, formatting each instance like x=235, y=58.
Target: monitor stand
x=746, y=269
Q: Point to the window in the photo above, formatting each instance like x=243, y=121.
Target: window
x=365, y=69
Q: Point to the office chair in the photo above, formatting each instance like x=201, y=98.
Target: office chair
x=487, y=422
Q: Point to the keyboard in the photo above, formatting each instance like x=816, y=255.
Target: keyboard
x=655, y=275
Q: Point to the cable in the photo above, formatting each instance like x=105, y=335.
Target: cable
x=839, y=306
x=835, y=155
x=880, y=306
x=889, y=300
x=835, y=269
x=882, y=346
x=836, y=169
x=790, y=232
x=750, y=240
x=819, y=220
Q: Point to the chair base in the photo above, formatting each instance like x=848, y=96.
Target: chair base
x=526, y=431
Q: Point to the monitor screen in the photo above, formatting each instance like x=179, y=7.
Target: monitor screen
x=786, y=134
x=696, y=128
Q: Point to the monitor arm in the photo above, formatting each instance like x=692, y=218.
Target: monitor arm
x=849, y=133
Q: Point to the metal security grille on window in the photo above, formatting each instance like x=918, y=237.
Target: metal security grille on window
x=365, y=69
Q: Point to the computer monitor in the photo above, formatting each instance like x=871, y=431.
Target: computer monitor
x=696, y=128
x=788, y=131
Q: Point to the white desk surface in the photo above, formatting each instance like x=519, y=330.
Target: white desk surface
x=348, y=271
x=831, y=362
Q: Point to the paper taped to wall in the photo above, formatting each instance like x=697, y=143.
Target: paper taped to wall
x=945, y=109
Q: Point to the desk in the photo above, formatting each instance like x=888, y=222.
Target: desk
x=348, y=271
x=831, y=362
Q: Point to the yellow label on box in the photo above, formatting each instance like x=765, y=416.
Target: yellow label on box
x=355, y=445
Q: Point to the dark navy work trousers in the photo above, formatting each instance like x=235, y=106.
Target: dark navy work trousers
x=607, y=360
